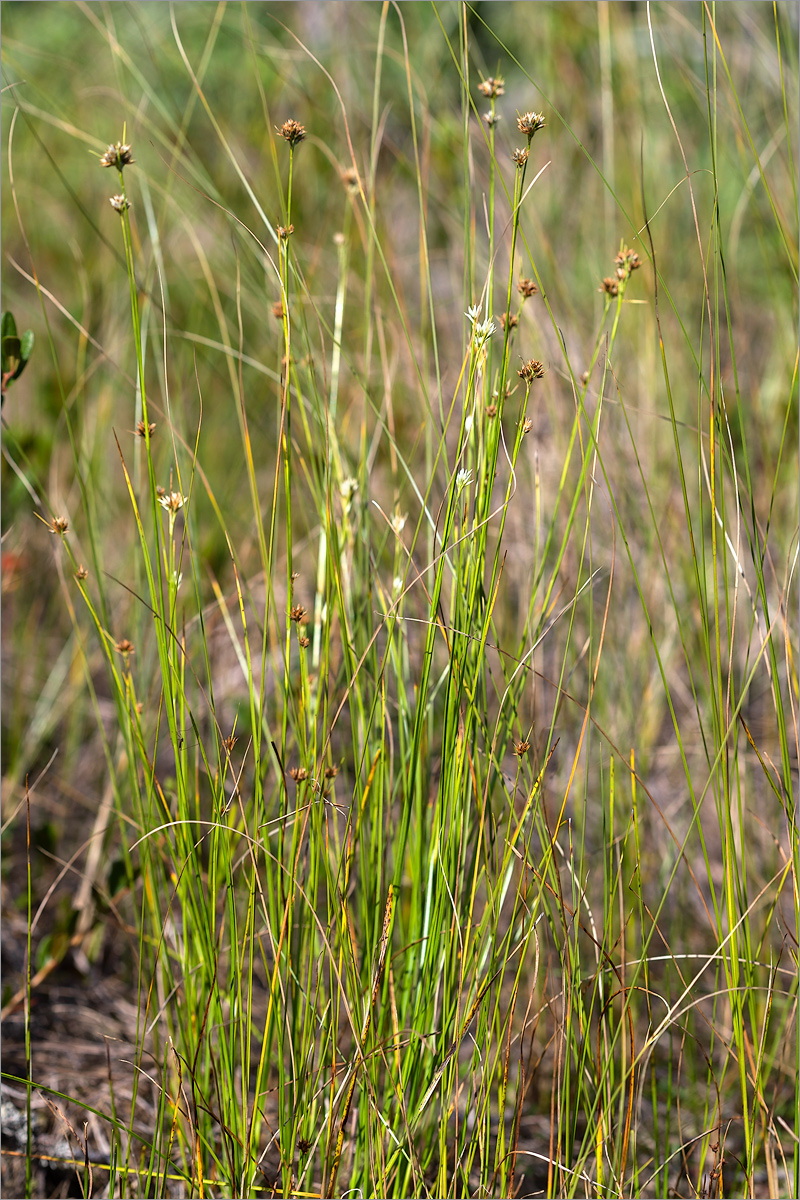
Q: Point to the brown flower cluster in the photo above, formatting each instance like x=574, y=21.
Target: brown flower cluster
x=119, y=155
x=292, y=132
x=531, y=370
x=526, y=288
x=625, y=263
x=530, y=123
x=492, y=87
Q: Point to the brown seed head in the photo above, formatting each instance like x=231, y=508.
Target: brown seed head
x=297, y=613
x=491, y=411
x=527, y=425
x=118, y=155
x=81, y=573
x=526, y=288
x=610, y=286
x=304, y=641
x=510, y=319
x=292, y=132
x=531, y=370
x=60, y=525
x=140, y=428
x=285, y=231
x=626, y=262
x=277, y=310
x=522, y=748
x=124, y=647
x=331, y=772
x=520, y=157
x=492, y=87
x=119, y=203
x=230, y=742
x=298, y=774
x=529, y=123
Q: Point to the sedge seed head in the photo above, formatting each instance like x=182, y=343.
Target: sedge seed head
x=292, y=132
x=350, y=180
x=529, y=123
x=531, y=370
x=117, y=155
x=172, y=501
x=492, y=87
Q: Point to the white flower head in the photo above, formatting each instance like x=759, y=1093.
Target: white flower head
x=473, y=313
x=347, y=490
x=172, y=501
x=463, y=479
x=469, y=421
x=398, y=522
x=483, y=330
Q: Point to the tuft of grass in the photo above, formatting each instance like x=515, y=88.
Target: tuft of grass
x=413, y=616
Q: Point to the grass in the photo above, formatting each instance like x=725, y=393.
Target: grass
x=406, y=715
